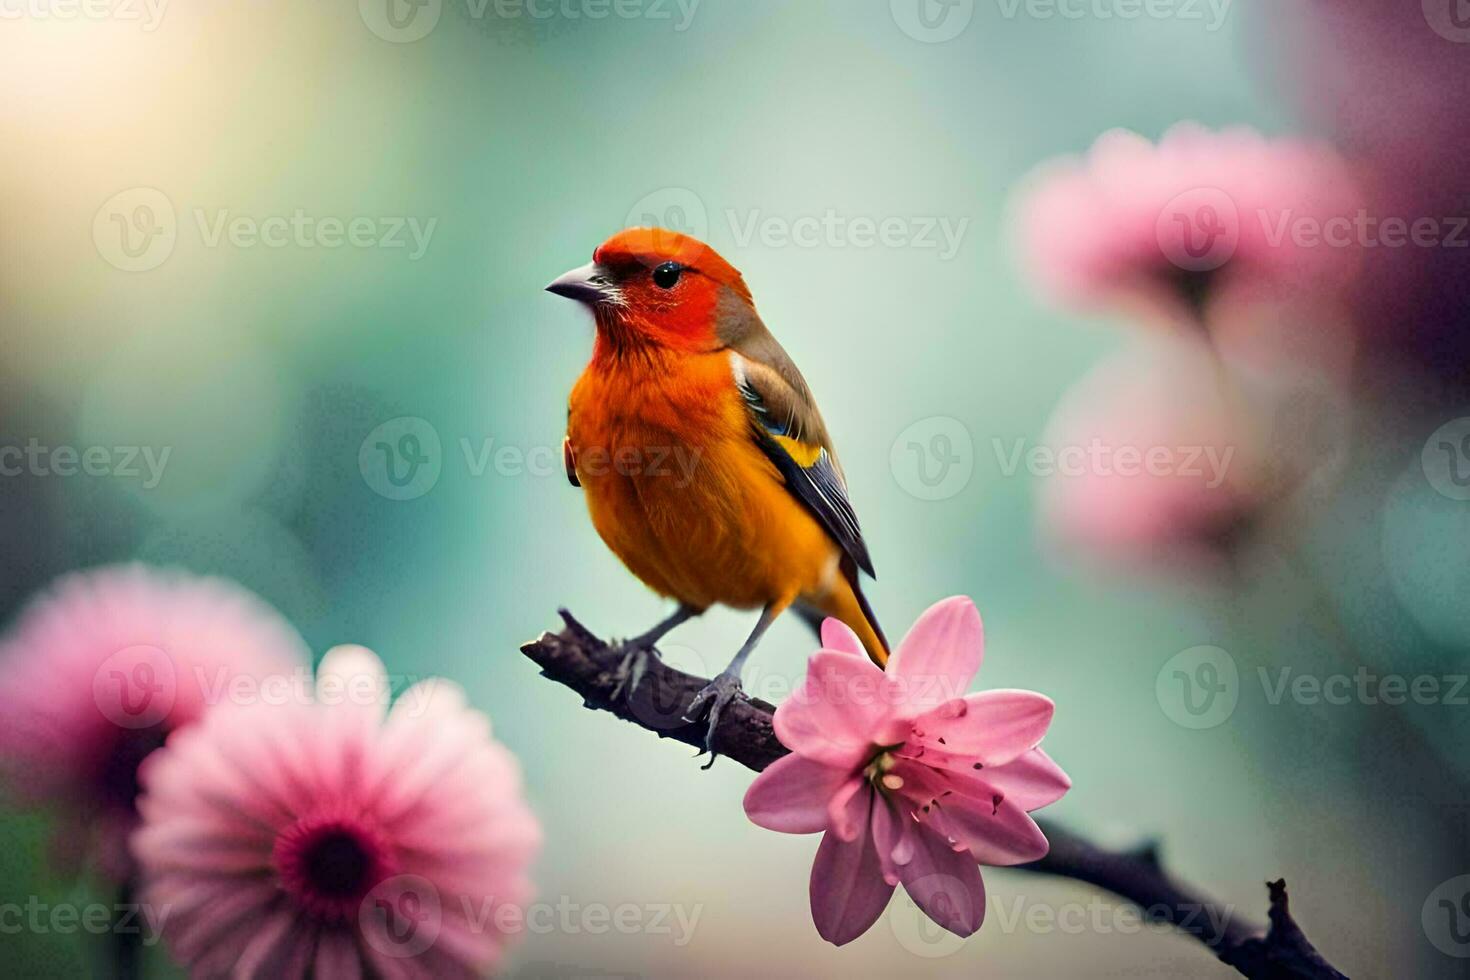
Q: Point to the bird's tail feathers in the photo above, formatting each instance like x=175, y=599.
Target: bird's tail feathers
x=847, y=602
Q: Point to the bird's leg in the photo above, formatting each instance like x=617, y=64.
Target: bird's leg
x=636, y=651
x=726, y=687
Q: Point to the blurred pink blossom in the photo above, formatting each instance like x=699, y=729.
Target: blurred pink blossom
x=1169, y=230
x=911, y=779
x=1164, y=456
x=100, y=668
x=338, y=838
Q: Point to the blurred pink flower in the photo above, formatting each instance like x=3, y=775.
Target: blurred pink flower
x=338, y=838
x=912, y=780
x=100, y=668
x=1169, y=230
x=1163, y=456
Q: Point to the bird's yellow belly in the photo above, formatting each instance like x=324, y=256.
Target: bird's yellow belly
x=699, y=514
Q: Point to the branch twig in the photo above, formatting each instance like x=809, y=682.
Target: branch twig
x=661, y=696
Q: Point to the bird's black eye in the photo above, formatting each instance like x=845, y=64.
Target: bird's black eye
x=666, y=275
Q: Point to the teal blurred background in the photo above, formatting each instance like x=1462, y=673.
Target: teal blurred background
x=526, y=141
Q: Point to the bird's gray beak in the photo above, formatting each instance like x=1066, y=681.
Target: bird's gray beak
x=588, y=284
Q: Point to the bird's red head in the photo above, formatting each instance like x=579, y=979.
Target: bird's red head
x=654, y=286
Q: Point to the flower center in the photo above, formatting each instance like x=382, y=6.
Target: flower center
x=328, y=864
x=879, y=770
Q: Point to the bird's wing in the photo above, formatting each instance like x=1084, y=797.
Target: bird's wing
x=569, y=460
x=789, y=429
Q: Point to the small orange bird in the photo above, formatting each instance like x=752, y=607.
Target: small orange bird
x=706, y=465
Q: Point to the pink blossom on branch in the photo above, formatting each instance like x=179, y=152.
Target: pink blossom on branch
x=338, y=838
x=100, y=668
x=1169, y=230
x=909, y=779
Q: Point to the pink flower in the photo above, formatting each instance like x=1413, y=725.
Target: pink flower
x=1164, y=456
x=99, y=669
x=912, y=780
x=337, y=837
x=1202, y=217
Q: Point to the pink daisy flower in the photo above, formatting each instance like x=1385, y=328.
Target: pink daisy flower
x=1202, y=217
x=908, y=778
x=99, y=669
x=338, y=838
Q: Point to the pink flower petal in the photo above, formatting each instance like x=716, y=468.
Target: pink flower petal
x=336, y=957
x=848, y=892
x=887, y=835
x=1030, y=781
x=848, y=811
x=938, y=658
x=945, y=884
x=992, y=728
x=791, y=795
x=837, y=635
x=1000, y=835
x=833, y=716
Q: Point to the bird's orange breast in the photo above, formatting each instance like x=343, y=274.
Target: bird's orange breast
x=679, y=490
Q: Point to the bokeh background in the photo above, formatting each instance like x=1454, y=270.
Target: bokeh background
x=514, y=143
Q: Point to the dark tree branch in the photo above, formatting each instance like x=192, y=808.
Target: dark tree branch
x=658, y=696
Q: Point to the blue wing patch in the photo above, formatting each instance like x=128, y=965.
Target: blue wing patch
x=809, y=471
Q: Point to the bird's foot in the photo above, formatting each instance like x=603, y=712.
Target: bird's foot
x=714, y=698
x=633, y=658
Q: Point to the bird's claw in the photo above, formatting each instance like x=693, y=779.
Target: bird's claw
x=633, y=660
x=713, y=698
